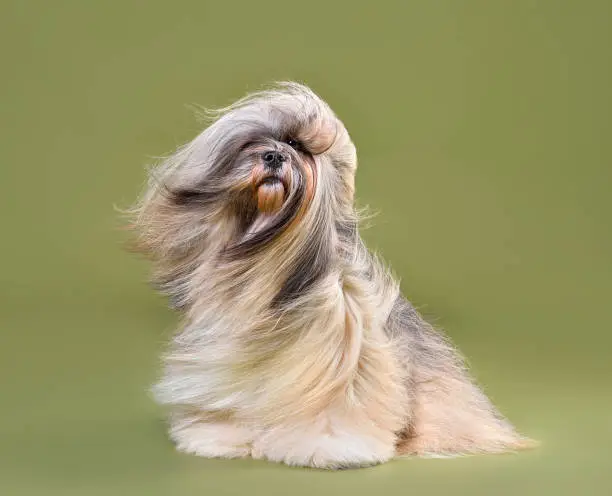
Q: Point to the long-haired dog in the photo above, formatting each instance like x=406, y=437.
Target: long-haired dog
x=296, y=345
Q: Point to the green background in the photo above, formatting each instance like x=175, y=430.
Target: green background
x=483, y=130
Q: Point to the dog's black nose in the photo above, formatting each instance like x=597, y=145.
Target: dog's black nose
x=274, y=160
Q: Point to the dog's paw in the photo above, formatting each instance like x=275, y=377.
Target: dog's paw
x=212, y=440
x=327, y=451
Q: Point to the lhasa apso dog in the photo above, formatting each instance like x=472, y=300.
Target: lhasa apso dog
x=296, y=345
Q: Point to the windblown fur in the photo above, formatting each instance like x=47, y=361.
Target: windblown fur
x=296, y=345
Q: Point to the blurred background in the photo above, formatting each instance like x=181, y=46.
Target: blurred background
x=484, y=137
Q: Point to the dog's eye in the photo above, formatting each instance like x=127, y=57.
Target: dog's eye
x=293, y=143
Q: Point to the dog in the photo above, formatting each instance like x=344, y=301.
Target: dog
x=296, y=345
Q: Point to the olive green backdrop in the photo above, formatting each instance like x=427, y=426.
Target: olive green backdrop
x=483, y=130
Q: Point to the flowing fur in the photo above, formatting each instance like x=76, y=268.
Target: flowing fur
x=296, y=345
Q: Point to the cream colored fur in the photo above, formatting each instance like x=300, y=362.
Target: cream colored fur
x=296, y=345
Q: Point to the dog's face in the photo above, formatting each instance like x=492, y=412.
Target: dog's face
x=273, y=163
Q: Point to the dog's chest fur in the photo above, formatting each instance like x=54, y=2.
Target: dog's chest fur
x=241, y=355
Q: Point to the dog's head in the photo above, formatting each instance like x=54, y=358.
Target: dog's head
x=274, y=170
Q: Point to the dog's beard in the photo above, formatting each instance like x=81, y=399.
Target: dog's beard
x=274, y=204
x=292, y=246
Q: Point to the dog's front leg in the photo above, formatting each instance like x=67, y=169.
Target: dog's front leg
x=208, y=437
x=329, y=442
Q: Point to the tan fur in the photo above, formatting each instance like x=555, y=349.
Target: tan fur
x=296, y=345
